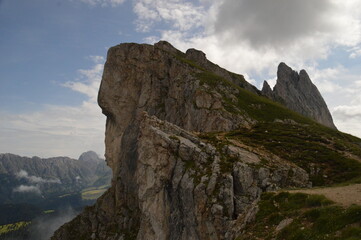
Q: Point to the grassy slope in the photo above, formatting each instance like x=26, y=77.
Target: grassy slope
x=322, y=151
x=93, y=193
x=314, y=218
x=18, y=230
x=318, y=149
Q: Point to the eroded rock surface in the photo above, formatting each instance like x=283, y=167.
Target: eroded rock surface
x=174, y=186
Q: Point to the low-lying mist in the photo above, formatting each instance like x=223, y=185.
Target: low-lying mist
x=43, y=227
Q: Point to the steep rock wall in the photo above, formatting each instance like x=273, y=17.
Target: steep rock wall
x=171, y=179
x=173, y=185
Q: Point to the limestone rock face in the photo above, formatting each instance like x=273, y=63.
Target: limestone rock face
x=297, y=92
x=171, y=178
x=171, y=185
x=158, y=79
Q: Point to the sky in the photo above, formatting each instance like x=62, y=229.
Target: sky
x=52, y=54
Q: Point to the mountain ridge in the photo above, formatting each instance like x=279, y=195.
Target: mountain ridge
x=47, y=174
x=192, y=151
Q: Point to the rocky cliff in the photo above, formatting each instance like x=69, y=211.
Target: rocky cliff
x=297, y=92
x=177, y=140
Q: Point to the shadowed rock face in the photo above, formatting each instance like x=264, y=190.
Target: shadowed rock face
x=168, y=182
x=298, y=93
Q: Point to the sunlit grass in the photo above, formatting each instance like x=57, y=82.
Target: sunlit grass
x=13, y=227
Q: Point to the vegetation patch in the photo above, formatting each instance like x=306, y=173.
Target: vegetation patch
x=48, y=211
x=314, y=217
x=258, y=107
x=315, y=149
x=93, y=192
x=5, y=229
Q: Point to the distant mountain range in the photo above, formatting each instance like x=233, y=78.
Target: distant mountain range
x=34, y=187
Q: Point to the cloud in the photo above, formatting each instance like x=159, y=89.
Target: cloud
x=58, y=130
x=97, y=59
x=252, y=36
x=89, y=80
x=355, y=52
x=103, y=3
x=347, y=114
x=28, y=189
x=181, y=15
x=348, y=118
x=341, y=87
x=279, y=23
x=42, y=228
x=34, y=179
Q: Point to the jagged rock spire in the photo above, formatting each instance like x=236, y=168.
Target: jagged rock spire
x=297, y=92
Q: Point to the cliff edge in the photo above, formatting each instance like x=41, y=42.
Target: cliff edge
x=192, y=148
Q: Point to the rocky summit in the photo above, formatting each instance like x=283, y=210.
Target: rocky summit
x=194, y=148
x=297, y=92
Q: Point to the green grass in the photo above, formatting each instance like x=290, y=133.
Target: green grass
x=65, y=195
x=314, y=218
x=255, y=106
x=318, y=150
x=312, y=146
x=92, y=194
x=48, y=211
x=4, y=229
x=181, y=57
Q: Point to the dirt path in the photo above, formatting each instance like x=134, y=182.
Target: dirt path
x=346, y=195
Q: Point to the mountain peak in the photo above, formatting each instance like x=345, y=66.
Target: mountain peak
x=297, y=92
x=90, y=156
x=166, y=46
x=266, y=90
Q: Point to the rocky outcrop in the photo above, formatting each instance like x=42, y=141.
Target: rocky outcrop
x=163, y=82
x=172, y=178
x=297, y=92
x=200, y=58
x=174, y=185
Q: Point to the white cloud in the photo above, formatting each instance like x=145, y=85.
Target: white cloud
x=340, y=87
x=355, y=52
x=58, y=130
x=34, y=179
x=348, y=118
x=97, y=59
x=103, y=3
x=347, y=114
x=178, y=14
x=89, y=81
x=251, y=37
x=27, y=189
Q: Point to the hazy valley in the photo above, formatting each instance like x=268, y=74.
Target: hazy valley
x=38, y=195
